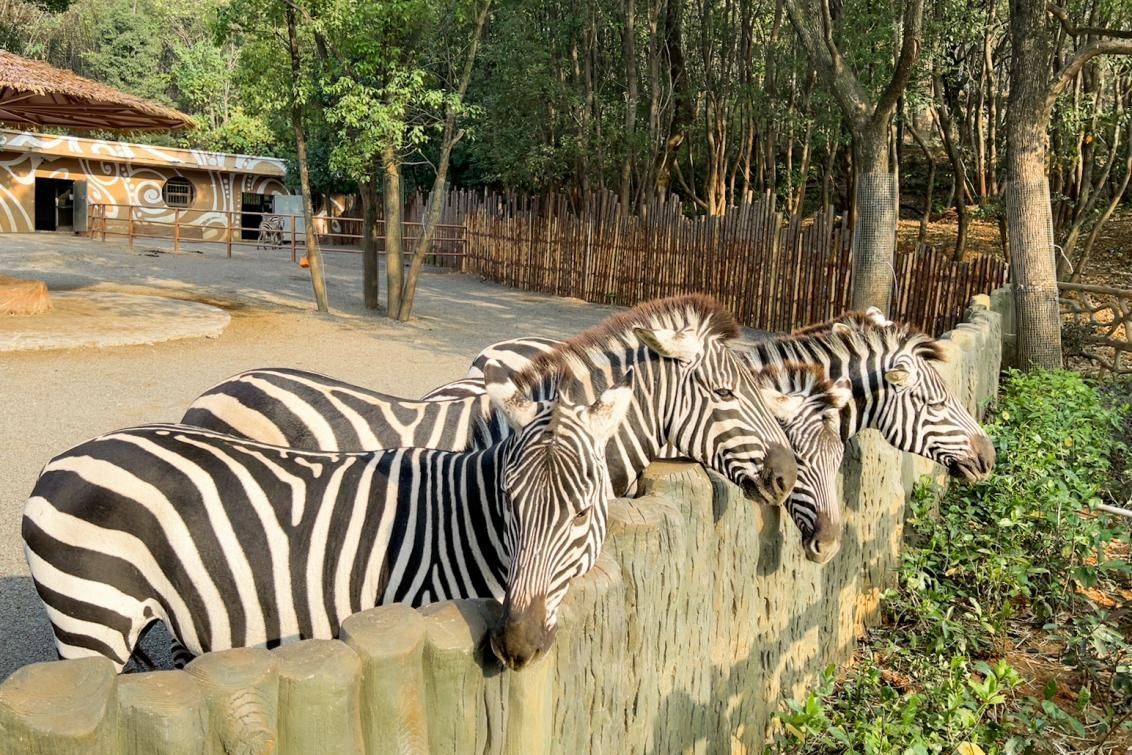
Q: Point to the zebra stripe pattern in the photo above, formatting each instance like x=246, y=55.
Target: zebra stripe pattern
x=235, y=543
x=896, y=390
x=690, y=389
x=270, y=232
x=809, y=407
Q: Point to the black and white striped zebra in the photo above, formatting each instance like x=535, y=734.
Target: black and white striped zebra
x=234, y=543
x=270, y=234
x=691, y=390
x=895, y=388
x=810, y=408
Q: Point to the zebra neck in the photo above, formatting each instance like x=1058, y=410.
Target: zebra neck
x=644, y=432
x=465, y=518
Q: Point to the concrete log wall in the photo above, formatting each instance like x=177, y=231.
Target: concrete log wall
x=699, y=618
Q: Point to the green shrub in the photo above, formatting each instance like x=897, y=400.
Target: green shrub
x=1012, y=564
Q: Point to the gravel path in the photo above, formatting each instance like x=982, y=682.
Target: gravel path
x=54, y=399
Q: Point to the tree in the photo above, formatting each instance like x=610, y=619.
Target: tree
x=1035, y=84
x=449, y=137
x=870, y=122
x=314, y=255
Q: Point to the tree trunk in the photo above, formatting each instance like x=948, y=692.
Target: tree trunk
x=371, y=287
x=929, y=189
x=874, y=230
x=391, y=192
x=1029, y=218
x=436, y=199
x=314, y=257
x=629, y=50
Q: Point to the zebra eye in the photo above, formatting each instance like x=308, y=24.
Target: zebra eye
x=724, y=393
x=581, y=517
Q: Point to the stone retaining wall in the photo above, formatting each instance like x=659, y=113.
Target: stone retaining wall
x=700, y=617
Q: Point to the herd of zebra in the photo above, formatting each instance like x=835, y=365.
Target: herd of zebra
x=286, y=500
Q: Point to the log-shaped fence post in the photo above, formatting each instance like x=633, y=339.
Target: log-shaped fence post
x=390, y=642
x=320, y=683
x=61, y=708
x=162, y=712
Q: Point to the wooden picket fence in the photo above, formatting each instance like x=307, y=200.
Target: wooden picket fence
x=774, y=273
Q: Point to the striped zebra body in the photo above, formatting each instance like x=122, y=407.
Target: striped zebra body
x=270, y=232
x=235, y=543
x=895, y=388
x=690, y=389
x=519, y=352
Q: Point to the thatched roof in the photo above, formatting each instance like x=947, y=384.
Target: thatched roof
x=37, y=94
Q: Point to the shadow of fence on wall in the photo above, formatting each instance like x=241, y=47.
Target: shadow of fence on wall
x=701, y=615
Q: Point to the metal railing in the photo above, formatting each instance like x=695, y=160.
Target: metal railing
x=228, y=227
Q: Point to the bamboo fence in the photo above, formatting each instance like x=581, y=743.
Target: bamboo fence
x=773, y=272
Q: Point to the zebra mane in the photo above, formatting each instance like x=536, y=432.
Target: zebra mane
x=806, y=379
x=588, y=352
x=866, y=334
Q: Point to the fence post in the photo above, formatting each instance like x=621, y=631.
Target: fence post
x=228, y=231
x=103, y=213
x=177, y=230
x=294, y=232
x=130, y=226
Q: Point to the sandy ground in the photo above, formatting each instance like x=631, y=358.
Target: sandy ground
x=51, y=400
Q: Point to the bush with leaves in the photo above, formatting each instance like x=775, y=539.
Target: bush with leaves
x=1019, y=567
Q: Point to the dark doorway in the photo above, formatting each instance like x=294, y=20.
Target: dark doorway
x=54, y=204
x=249, y=221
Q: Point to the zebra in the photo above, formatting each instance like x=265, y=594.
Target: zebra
x=270, y=232
x=233, y=543
x=889, y=365
x=809, y=407
x=691, y=390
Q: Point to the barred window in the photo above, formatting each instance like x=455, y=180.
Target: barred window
x=178, y=192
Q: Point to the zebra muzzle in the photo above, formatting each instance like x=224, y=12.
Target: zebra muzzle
x=778, y=475
x=979, y=462
x=523, y=636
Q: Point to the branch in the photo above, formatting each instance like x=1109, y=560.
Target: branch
x=1075, y=31
x=1070, y=70
x=815, y=28
x=909, y=52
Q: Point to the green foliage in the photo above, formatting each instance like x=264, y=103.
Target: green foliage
x=1018, y=564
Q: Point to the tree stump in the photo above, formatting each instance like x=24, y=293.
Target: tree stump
x=19, y=296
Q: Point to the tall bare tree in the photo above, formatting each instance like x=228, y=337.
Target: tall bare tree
x=870, y=123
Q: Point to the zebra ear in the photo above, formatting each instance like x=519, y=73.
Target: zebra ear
x=782, y=405
x=604, y=416
x=518, y=409
x=876, y=317
x=841, y=392
x=681, y=345
x=841, y=329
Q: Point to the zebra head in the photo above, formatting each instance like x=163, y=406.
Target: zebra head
x=907, y=400
x=557, y=490
x=719, y=417
x=809, y=407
